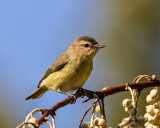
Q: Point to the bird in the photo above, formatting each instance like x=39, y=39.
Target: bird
x=71, y=69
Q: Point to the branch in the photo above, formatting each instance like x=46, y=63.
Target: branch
x=91, y=95
x=87, y=112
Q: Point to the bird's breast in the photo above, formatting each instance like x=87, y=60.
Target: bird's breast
x=78, y=75
x=71, y=77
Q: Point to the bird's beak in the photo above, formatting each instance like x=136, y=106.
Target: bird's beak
x=100, y=46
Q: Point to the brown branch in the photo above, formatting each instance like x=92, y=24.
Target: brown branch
x=101, y=94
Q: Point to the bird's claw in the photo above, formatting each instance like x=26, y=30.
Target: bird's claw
x=70, y=97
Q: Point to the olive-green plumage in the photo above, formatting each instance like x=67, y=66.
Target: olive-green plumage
x=71, y=69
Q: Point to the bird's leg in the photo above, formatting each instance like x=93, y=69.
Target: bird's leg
x=69, y=95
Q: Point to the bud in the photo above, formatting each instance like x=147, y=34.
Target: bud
x=149, y=126
x=98, y=109
x=84, y=125
x=128, y=109
x=96, y=121
x=150, y=109
x=102, y=122
x=150, y=100
x=151, y=119
x=125, y=121
x=157, y=111
x=156, y=126
x=154, y=93
x=127, y=102
x=32, y=120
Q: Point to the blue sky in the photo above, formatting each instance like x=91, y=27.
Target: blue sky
x=32, y=34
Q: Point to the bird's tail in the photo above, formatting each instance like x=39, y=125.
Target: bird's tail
x=36, y=94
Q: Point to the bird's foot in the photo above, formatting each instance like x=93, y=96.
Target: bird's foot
x=72, y=101
x=69, y=95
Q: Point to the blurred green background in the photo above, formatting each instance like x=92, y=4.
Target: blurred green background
x=34, y=33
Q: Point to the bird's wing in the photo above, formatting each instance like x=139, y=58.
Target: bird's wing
x=60, y=62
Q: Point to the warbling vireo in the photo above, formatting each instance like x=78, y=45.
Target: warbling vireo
x=71, y=69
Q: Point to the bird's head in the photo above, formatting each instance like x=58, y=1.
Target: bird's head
x=85, y=46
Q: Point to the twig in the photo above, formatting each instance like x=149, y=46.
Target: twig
x=87, y=112
x=25, y=123
x=93, y=115
x=103, y=110
x=42, y=110
x=49, y=124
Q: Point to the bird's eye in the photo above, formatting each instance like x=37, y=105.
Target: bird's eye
x=86, y=45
